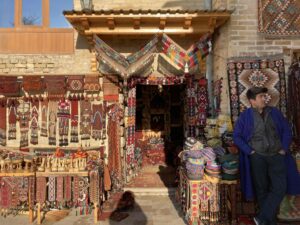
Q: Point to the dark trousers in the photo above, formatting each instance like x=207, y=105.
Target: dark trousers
x=269, y=179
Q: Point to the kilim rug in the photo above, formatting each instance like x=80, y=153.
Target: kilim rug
x=55, y=86
x=91, y=83
x=63, y=115
x=9, y=86
x=34, y=123
x=85, y=122
x=52, y=122
x=44, y=127
x=24, y=118
x=2, y=125
x=244, y=73
x=33, y=85
x=75, y=86
x=278, y=17
x=74, y=121
x=97, y=121
x=12, y=119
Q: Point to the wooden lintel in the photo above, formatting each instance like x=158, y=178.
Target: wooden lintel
x=85, y=23
x=187, y=22
x=111, y=23
x=136, y=23
x=162, y=23
x=212, y=23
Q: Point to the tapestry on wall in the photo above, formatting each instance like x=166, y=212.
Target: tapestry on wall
x=63, y=115
x=202, y=103
x=9, y=86
x=98, y=121
x=75, y=85
x=279, y=17
x=191, y=98
x=12, y=119
x=124, y=66
x=85, y=119
x=34, y=123
x=55, y=87
x=52, y=122
x=74, y=121
x=91, y=83
x=2, y=124
x=244, y=73
x=23, y=111
x=33, y=85
x=44, y=125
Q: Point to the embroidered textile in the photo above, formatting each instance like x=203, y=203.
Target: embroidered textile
x=279, y=17
x=243, y=73
x=24, y=118
x=51, y=189
x=85, y=122
x=191, y=93
x=11, y=190
x=202, y=102
x=115, y=114
x=33, y=85
x=121, y=64
x=97, y=121
x=9, y=86
x=34, y=123
x=94, y=186
x=60, y=189
x=55, y=86
x=44, y=127
x=63, y=116
x=23, y=187
x=52, y=122
x=74, y=121
x=12, y=119
x=91, y=83
x=67, y=188
x=2, y=125
x=155, y=81
x=5, y=194
x=190, y=57
x=41, y=187
x=75, y=84
x=32, y=192
x=217, y=90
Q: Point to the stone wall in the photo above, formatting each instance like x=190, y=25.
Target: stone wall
x=77, y=63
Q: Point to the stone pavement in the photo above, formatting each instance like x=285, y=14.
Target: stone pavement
x=149, y=210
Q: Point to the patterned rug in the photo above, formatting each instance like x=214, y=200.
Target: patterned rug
x=244, y=73
x=278, y=17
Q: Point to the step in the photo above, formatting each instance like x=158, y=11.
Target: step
x=150, y=191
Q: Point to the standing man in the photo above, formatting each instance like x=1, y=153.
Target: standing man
x=263, y=136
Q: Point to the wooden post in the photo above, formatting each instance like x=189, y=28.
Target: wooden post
x=39, y=221
x=96, y=208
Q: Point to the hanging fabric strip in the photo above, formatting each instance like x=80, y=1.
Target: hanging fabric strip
x=85, y=123
x=3, y=124
x=44, y=128
x=74, y=121
x=9, y=86
x=23, y=187
x=60, y=189
x=202, y=102
x=97, y=121
x=5, y=194
x=191, y=104
x=67, y=188
x=12, y=119
x=34, y=123
x=75, y=84
x=51, y=189
x=75, y=189
x=12, y=183
x=52, y=122
x=41, y=187
x=91, y=83
x=31, y=192
x=94, y=186
x=55, y=86
x=24, y=118
x=63, y=115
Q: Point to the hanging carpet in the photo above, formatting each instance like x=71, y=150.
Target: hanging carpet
x=12, y=120
x=75, y=85
x=202, y=102
x=2, y=124
x=23, y=111
x=34, y=123
x=55, y=86
x=279, y=17
x=85, y=119
x=9, y=86
x=74, y=121
x=44, y=127
x=63, y=115
x=244, y=73
x=33, y=85
x=125, y=66
x=52, y=122
x=98, y=121
x=91, y=83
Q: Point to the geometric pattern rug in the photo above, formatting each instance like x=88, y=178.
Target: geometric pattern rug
x=244, y=73
x=279, y=17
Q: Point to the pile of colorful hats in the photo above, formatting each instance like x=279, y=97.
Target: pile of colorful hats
x=230, y=166
x=212, y=171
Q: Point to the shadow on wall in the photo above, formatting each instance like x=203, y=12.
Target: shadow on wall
x=82, y=42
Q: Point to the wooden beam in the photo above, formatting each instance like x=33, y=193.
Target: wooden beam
x=162, y=23
x=111, y=23
x=136, y=23
x=85, y=23
x=187, y=22
x=212, y=23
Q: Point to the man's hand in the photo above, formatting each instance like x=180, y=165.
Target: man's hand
x=282, y=152
x=252, y=152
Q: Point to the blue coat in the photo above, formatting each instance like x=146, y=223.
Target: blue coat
x=242, y=134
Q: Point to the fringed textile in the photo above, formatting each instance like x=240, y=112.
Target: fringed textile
x=52, y=122
x=24, y=118
x=74, y=121
x=23, y=187
x=94, y=186
x=85, y=122
x=44, y=127
x=217, y=90
x=60, y=189
x=13, y=194
x=31, y=192
x=115, y=114
x=55, y=86
x=33, y=85
x=202, y=104
x=279, y=18
x=75, y=189
x=2, y=125
x=9, y=86
x=97, y=121
x=75, y=85
x=41, y=187
x=244, y=73
x=191, y=105
x=91, y=83
x=68, y=188
x=51, y=189
x=12, y=119
x=5, y=194
x=63, y=115
x=34, y=122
